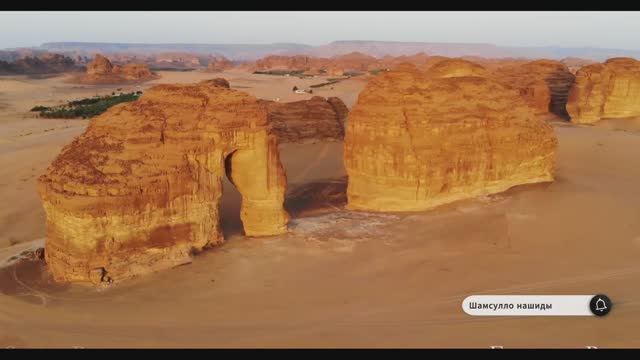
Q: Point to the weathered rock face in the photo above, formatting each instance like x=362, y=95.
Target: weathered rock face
x=100, y=65
x=609, y=90
x=415, y=141
x=544, y=84
x=101, y=71
x=340, y=108
x=140, y=189
x=307, y=120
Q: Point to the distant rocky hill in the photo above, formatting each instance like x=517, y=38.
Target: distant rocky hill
x=43, y=64
x=230, y=51
x=252, y=52
x=102, y=71
x=397, y=48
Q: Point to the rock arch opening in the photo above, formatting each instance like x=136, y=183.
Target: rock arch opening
x=230, y=203
x=120, y=201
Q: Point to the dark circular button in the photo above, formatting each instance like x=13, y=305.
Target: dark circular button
x=600, y=305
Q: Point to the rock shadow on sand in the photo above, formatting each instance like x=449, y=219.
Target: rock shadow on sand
x=317, y=197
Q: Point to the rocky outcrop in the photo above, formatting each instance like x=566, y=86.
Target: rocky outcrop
x=544, y=84
x=44, y=64
x=99, y=66
x=219, y=63
x=609, y=90
x=340, y=109
x=293, y=63
x=176, y=60
x=335, y=66
x=415, y=140
x=140, y=189
x=133, y=72
x=316, y=119
x=102, y=71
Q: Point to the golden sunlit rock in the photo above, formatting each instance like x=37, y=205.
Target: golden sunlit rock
x=415, y=141
x=140, y=189
x=609, y=90
x=543, y=83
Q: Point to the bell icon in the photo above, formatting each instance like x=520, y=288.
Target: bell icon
x=600, y=305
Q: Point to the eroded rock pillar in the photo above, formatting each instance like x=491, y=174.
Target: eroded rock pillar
x=259, y=177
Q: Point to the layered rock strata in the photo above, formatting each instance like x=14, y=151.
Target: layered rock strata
x=310, y=120
x=609, y=90
x=140, y=189
x=416, y=140
x=544, y=84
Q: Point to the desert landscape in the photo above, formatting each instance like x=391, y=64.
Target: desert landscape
x=327, y=198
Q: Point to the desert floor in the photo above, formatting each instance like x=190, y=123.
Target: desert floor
x=339, y=278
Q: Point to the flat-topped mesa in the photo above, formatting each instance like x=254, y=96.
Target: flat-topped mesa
x=140, y=189
x=609, y=90
x=544, y=84
x=415, y=141
x=102, y=71
x=316, y=119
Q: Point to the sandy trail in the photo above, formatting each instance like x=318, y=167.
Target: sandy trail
x=357, y=279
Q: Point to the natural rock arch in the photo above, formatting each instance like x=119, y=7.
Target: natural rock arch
x=140, y=189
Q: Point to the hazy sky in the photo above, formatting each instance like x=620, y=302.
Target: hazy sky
x=570, y=29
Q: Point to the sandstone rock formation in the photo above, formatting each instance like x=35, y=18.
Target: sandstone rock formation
x=133, y=72
x=140, y=189
x=219, y=63
x=307, y=120
x=102, y=71
x=47, y=63
x=99, y=66
x=544, y=83
x=294, y=63
x=609, y=90
x=415, y=141
x=335, y=66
